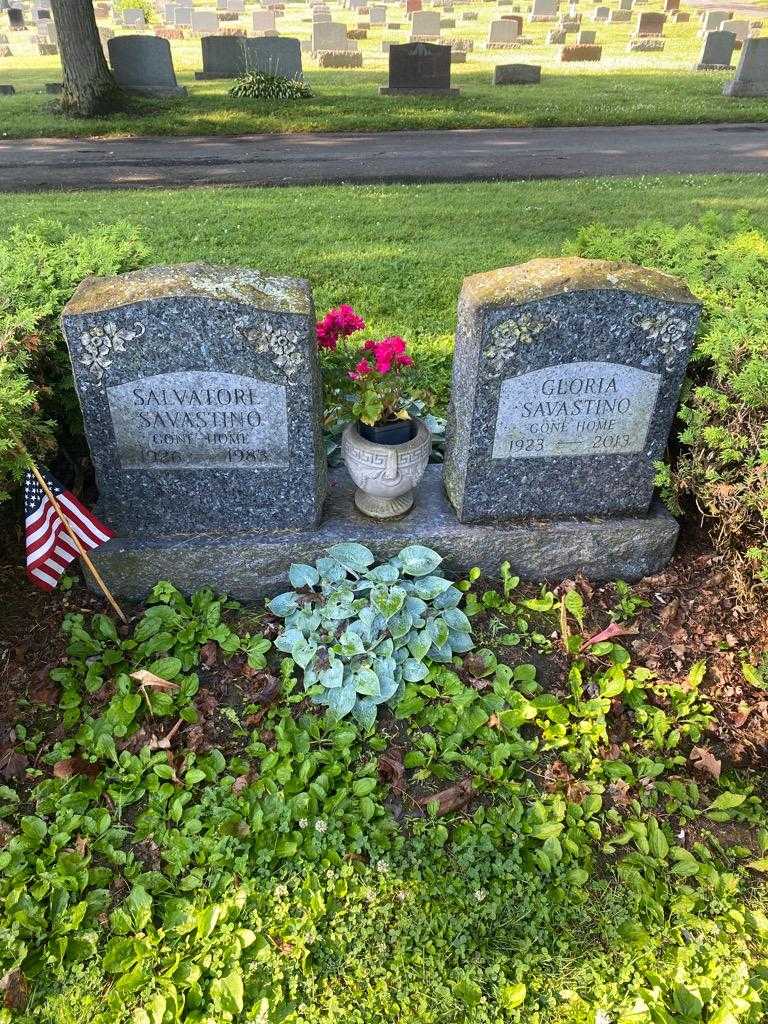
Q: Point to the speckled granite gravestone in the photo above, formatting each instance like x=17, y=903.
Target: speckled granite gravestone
x=201, y=397
x=566, y=379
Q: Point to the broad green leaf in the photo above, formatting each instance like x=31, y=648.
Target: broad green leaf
x=511, y=996
x=283, y=604
x=364, y=713
x=302, y=575
x=352, y=556
x=303, y=651
x=417, y=560
x=227, y=993
x=414, y=671
x=366, y=682
x=727, y=801
x=388, y=600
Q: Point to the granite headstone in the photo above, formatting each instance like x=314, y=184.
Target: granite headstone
x=565, y=383
x=419, y=69
x=143, y=64
x=201, y=398
x=717, y=51
x=751, y=78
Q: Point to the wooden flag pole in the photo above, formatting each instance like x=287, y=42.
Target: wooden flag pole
x=83, y=553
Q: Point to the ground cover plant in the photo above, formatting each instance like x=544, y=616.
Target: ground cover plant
x=542, y=829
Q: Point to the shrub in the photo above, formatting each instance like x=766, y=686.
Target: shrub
x=40, y=267
x=723, y=459
x=260, y=85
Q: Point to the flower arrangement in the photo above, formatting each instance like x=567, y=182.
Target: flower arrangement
x=380, y=384
x=380, y=387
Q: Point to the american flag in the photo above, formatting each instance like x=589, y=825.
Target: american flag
x=50, y=549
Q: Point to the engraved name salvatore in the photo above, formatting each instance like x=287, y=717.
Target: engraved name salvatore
x=582, y=408
x=199, y=419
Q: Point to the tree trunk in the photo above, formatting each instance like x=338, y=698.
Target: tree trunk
x=89, y=88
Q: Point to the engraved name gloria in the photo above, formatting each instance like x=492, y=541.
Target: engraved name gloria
x=575, y=409
x=199, y=418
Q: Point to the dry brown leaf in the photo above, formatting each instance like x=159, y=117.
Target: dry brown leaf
x=15, y=990
x=704, y=760
x=618, y=791
x=75, y=766
x=669, y=611
x=209, y=654
x=164, y=742
x=145, y=678
x=13, y=763
x=450, y=799
x=392, y=769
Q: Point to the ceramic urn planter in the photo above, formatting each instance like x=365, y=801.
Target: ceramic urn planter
x=385, y=475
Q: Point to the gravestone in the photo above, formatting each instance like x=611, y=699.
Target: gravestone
x=619, y=17
x=580, y=52
x=671, y=6
x=275, y=56
x=201, y=399
x=426, y=23
x=501, y=34
x=330, y=36
x=422, y=69
x=378, y=14
x=263, y=21
x=587, y=37
x=205, y=22
x=751, y=77
x=143, y=64
x=133, y=17
x=517, y=74
x=566, y=378
x=625, y=5
x=717, y=52
x=412, y=5
x=601, y=14
x=713, y=20
x=544, y=10
x=16, y=19
x=739, y=28
x=650, y=23
x=182, y=17
x=7, y=90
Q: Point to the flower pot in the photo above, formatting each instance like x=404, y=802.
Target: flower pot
x=397, y=432
x=385, y=474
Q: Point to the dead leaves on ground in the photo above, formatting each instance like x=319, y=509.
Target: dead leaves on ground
x=453, y=798
x=703, y=760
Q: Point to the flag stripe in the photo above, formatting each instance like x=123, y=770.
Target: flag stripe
x=49, y=547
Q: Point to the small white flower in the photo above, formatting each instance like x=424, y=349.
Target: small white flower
x=480, y=894
x=382, y=867
x=601, y=1017
x=281, y=891
x=302, y=823
x=321, y=826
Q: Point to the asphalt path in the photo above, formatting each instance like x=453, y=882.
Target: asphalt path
x=506, y=154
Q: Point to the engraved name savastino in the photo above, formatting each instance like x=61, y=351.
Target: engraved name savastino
x=197, y=407
x=577, y=396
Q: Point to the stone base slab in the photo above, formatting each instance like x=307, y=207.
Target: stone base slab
x=714, y=67
x=252, y=566
x=385, y=90
x=735, y=88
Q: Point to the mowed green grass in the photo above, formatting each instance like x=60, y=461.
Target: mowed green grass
x=398, y=253
x=623, y=88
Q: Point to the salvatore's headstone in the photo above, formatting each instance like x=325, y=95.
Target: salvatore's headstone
x=565, y=383
x=201, y=399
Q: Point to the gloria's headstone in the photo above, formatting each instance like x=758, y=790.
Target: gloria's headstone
x=143, y=64
x=201, y=398
x=565, y=383
x=420, y=69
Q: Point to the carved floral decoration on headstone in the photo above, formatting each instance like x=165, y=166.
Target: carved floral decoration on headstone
x=669, y=332
x=506, y=336
x=282, y=345
x=100, y=342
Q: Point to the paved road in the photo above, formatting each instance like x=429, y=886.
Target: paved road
x=474, y=155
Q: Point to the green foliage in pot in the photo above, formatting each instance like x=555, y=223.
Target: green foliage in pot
x=361, y=631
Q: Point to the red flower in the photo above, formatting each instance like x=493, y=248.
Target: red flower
x=337, y=323
x=362, y=368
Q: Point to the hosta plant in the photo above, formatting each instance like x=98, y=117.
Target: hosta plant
x=361, y=631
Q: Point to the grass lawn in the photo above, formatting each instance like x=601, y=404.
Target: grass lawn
x=398, y=253
x=624, y=88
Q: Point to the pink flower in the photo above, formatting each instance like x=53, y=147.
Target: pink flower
x=404, y=361
x=362, y=368
x=337, y=323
